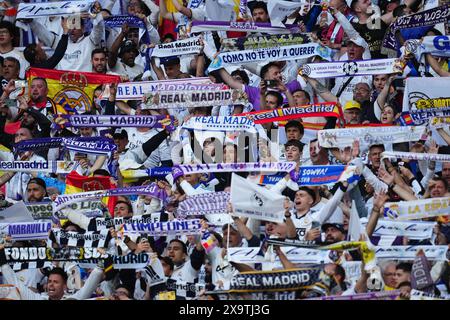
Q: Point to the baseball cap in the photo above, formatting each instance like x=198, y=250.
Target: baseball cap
x=352, y=104
x=358, y=41
x=120, y=135
x=338, y=226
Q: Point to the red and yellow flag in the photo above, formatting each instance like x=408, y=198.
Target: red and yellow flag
x=76, y=183
x=72, y=92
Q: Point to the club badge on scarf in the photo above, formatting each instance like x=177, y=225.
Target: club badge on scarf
x=417, y=209
x=351, y=68
x=114, y=121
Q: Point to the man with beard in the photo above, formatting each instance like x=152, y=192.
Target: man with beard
x=36, y=190
x=39, y=100
x=259, y=12
x=98, y=61
x=334, y=232
x=127, y=65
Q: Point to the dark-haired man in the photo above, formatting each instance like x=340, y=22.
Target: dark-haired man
x=270, y=71
x=182, y=279
x=7, y=48
x=79, y=48
x=36, y=190
x=56, y=283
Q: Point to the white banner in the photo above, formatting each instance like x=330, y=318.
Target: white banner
x=220, y=123
x=426, y=93
x=438, y=46
x=418, y=230
x=283, y=53
x=287, y=166
x=250, y=200
x=416, y=156
x=340, y=138
x=177, y=48
x=433, y=253
x=26, y=230
x=278, y=10
x=62, y=8
x=191, y=99
x=417, y=209
x=294, y=255
x=420, y=295
x=351, y=68
x=58, y=167
x=136, y=90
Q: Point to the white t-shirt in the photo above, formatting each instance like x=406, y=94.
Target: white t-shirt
x=16, y=53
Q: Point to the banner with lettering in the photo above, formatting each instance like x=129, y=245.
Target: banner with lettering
x=284, y=53
x=418, y=230
x=326, y=109
x=424, y=94
x=416, y=156
x=136, y=90
x=174, y=227
x=190, y=45
x=435, y=118
x=417, y=209
x=341, y=138
x=26, y=230
x=59, y=8
x=58, y=167
x=192, y=99
x=260, y=42
x=425, y=18
x=320, y=175
x=438, y=46
x=115, y=121
x=260, y=27
x=351, y=68
x=279, y=280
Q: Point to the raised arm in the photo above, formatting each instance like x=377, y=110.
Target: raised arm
x=321, y=89
x=382, y=96
x=378, y=204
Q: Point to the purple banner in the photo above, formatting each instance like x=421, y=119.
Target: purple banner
x=421, y=19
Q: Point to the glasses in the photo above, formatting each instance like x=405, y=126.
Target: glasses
x=4, y=32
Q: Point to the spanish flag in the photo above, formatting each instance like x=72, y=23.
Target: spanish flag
x=72, y=92
x=76, y=183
